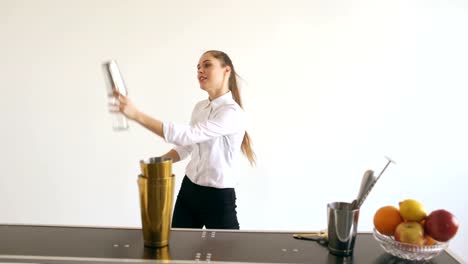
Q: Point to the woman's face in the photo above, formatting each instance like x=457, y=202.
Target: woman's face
x=212, y=76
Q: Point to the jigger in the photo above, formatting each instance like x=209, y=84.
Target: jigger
x=156, y=187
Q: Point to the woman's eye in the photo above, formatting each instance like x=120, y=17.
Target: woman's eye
x=207, y=65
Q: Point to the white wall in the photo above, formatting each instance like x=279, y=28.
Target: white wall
x=331, y=87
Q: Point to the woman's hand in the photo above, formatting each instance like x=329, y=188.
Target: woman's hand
x=124, y=105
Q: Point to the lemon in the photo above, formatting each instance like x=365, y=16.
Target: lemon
x=412, y=210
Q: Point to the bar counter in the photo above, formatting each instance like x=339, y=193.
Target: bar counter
x=70, y=245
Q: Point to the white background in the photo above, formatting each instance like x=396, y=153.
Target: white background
x=331, y=87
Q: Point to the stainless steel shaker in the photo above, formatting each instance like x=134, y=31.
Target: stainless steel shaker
x=114, y=80
x=342, y=228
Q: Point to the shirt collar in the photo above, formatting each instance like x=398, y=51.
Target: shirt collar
x=222, y=100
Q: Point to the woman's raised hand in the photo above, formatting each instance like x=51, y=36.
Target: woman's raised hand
x=124, y=105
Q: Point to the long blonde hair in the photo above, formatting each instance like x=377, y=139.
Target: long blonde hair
x=246, y=146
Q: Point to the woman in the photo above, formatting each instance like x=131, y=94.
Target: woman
x=214, y=139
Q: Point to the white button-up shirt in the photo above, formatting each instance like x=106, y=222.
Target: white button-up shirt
x=214, y=139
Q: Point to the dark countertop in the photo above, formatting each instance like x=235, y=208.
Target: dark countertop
x=62, y=244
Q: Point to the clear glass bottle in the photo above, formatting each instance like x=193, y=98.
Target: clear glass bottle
x=115, y=81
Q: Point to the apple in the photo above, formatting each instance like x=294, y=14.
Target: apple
x=410, y=232
x=441, y=225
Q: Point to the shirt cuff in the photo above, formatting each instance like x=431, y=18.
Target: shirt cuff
x=176, y=134
x=167, y=131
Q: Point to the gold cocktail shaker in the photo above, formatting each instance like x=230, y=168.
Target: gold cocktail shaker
x=161, y=254
x=156, y=187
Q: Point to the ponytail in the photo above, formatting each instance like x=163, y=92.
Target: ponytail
x=246, y=146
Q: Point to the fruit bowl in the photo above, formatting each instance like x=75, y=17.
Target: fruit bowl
x=408, y=251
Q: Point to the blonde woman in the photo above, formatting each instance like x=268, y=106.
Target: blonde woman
x=214, y=139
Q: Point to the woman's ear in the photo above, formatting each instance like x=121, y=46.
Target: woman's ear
x=228, y=69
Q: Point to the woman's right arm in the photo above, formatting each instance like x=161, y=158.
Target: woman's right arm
x=172, y=154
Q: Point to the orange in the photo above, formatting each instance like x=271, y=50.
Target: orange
x=429, y=241
x=386, y=219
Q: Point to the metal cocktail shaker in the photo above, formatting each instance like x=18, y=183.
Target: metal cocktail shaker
x=342, y=228
x=114, y=80
x=156, y=187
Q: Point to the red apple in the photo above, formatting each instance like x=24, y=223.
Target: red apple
x=410, y=232
x=441, y=225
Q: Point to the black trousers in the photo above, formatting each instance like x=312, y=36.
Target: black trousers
x=197, y=206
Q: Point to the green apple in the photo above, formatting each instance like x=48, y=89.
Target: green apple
x=410, y=232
